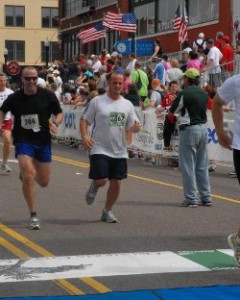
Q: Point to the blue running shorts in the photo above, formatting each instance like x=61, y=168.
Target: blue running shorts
x=42, y=153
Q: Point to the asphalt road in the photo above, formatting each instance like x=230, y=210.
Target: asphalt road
x=149, y=221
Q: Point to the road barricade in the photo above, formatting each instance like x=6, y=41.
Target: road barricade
x=150, y=138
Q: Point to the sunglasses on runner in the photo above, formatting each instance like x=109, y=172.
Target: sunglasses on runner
x=30, y=78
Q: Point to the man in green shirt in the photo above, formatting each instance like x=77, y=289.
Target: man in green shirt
x=137, y=75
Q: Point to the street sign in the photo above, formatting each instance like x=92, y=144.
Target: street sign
x=13, y=68
x=143, y=48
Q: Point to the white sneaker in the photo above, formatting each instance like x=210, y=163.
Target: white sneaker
x=34, y=223
x=108, y=216
x=5, y=169
x=91, y=193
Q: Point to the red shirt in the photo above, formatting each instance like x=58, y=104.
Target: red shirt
x=227, y=52
x=219, y=44
x=167, y=102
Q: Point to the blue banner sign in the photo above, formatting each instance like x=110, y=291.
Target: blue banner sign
x=143, y=48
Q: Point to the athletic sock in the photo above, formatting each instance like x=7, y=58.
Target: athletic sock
x=33, y=214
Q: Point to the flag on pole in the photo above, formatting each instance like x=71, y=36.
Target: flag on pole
x=177, y=19
x=180, y=23
x=93, y=33
x=120, y=22
x=235, y=29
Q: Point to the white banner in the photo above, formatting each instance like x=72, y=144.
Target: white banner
x=150, y=138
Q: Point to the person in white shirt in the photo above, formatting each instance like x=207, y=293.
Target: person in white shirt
x=112, y=116
x=6, y=127
x=131, y=64
x=41, y=82
x=229, y=91
x=213, y=64
x=96, y=63
x=199, y=43
x=58, y=81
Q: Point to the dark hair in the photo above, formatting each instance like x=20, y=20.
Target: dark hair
x=172, y=82
x=138, y=64
x=101, y=91
x=132, y=89
x=109, y=75
x=195, y=81
x=110, y=61
x=72, y=91
x=193, y=55
x=92, y=84
x=84, y=92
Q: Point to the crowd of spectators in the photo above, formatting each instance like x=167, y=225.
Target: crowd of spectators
x=153, y=83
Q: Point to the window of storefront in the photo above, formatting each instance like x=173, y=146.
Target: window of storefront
x=145, y=18
x=148, y=12
x=166, y=12
x=157, y=16
x=201, y=11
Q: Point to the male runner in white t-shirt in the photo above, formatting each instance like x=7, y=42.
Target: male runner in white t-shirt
x=229, y=91
x=111, y=116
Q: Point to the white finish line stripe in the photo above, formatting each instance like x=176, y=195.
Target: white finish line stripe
x=50, y=268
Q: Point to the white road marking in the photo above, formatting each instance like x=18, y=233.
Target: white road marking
x=50, y=268
x=11, y=160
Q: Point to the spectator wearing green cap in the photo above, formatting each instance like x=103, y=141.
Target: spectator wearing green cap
x=191, y=105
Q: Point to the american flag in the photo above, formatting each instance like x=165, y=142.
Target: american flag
x=92, y=34
x=235, y=29
x=180, y=23
x=120, y=22
x=177, y=19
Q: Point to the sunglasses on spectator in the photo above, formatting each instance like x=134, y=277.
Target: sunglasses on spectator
x=30, y=78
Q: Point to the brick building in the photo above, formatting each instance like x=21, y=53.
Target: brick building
x=154, y=20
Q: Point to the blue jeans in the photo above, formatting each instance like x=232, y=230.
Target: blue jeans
x=193, y=163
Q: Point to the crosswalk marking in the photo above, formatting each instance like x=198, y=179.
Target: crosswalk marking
x=51, y=268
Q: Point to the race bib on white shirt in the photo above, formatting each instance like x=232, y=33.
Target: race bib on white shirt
x=30, y=122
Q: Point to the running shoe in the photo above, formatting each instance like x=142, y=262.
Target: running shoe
x=233, y=174
x=5, y=169
x=108, y=216
x=34, y=223
x=91, y=194
x=232, y=242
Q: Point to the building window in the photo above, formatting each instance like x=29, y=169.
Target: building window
x=145, y=18
x=16, y=50
x=49, y=17
x=166, y=12
x=14, y=16
x=201, y=11
x=53, y=52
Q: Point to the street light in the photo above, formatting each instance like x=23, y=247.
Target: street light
x=5, y=53
x=46, y=46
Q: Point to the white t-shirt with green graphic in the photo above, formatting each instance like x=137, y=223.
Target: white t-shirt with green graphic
x=109, y=119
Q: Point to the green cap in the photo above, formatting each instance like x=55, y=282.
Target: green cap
x=192, y=73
